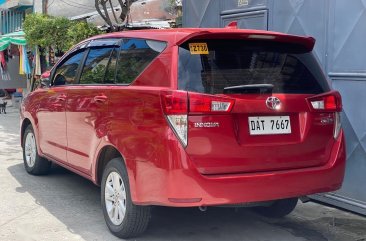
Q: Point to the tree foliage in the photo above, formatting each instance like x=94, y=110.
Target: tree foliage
x=80, y=31
x=37, y=29
x=59, y=32
x=59, y=27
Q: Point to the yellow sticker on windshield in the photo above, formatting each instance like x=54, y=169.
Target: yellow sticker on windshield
x=198, y=48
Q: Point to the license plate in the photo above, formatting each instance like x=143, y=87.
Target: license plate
x=269, y=125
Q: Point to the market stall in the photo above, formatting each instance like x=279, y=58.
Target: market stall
x=15, y=67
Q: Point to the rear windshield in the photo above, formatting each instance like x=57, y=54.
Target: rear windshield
x=213, y=65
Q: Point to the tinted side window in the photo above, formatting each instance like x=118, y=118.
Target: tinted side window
x=95, y=66
x=111, y=69
x=134, y=56
x=66, y=73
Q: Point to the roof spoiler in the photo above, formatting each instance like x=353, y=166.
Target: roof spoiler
x=232, y=25
x=230, y=32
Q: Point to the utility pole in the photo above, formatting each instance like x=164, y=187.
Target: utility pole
x=44, y=6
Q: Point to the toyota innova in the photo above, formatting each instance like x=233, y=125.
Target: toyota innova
x=188, y=118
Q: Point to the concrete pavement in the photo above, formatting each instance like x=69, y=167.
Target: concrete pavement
x=64, y=206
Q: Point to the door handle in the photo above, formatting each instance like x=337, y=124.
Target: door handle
x=100, y=99
x=61, y=97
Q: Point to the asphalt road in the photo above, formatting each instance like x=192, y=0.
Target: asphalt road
x=64, y=206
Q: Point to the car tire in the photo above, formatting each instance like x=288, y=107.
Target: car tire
x=123, y=218
x=279, y=209
x=33, y=163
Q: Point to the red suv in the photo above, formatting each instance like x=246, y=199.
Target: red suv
x=188, y=118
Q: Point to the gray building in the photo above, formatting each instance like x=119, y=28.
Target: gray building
x=340, y=32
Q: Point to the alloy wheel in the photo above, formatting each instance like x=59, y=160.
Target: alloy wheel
x=30, y=150
x=115, y=198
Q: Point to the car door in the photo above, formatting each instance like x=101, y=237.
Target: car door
x=87, y=106
x=51, y=115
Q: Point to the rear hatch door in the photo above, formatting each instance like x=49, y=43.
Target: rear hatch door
x=271, y=124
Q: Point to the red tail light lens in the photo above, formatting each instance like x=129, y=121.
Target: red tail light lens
x=329, y=102
x=174, y=102
x=175, y=107
x=200, y=103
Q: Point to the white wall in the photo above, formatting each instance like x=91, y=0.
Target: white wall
x=71, y=8
x=37, y=6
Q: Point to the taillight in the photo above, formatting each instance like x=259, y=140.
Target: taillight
x=329, y=102
x=180, y=127
x=177, y=104
x=174, y=102
x=200, y=103
x=175, y=107
x=337, y=125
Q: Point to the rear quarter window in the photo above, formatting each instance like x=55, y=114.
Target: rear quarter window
x=134, y=56
x=288, y=67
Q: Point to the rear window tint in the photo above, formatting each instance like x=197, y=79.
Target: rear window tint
x=288, y=67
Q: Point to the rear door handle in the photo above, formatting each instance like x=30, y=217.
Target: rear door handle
x=61, y=97
x=100, y=99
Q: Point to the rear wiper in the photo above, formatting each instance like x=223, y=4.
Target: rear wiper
x=249, y=89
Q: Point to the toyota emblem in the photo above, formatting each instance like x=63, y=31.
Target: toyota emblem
x=273, y=103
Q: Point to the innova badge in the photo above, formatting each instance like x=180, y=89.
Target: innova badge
x=273, y=103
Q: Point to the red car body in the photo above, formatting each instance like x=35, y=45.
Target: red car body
x=79, y=126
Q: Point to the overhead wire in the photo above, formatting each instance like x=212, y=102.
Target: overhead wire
x=77, y=5
x=50, y=4
x=88, y=6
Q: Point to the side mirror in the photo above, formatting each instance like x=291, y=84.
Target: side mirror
x=45, y=83
x=45, y=79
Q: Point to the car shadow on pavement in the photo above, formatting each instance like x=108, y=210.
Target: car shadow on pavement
x=75, y=202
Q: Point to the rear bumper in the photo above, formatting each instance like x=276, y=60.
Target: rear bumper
x=186, y=187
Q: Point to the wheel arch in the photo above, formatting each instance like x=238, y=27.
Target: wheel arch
x=25, y=123
x=105, y=155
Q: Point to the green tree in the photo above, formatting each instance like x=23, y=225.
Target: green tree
x=59, y=32
x=80, y=31
x=36, y=29
x=44, y=31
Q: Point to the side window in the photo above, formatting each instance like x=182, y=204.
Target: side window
x=66, y=73
x=134, y=56
x=95, y=66
x=111, y=69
